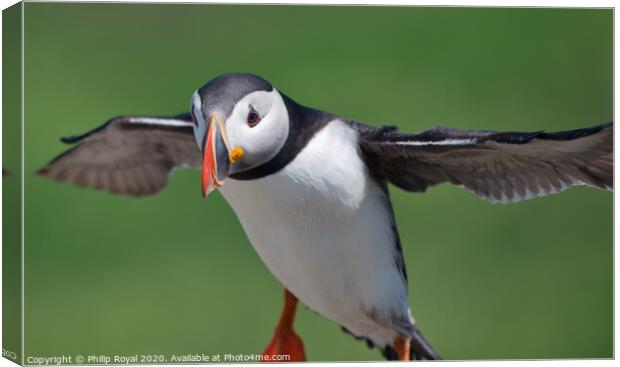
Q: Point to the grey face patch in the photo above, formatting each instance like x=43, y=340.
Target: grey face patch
x=222, y=93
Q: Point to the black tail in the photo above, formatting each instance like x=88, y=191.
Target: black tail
x=420, y=348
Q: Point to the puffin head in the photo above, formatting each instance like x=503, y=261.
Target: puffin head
x=240, y=122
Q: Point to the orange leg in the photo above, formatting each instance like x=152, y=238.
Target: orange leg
x=402, y=347
x=285, y=341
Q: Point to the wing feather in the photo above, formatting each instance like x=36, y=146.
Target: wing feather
x=127, y=155
x=498, y=166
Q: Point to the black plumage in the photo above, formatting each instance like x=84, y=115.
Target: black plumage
x=498, y=166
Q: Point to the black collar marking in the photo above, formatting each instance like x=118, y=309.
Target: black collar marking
x=304, y=123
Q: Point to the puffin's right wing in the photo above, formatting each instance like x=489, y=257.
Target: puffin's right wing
x=498, y=166
x=128, y=155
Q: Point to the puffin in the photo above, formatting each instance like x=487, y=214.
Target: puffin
x=310, y=189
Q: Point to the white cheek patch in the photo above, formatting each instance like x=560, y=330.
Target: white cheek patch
x=263, y=141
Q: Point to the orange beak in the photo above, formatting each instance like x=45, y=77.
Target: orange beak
x=217, y=156
x=210, y=180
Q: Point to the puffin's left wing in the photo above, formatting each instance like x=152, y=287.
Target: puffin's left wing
x=498, y=166
x=128, y=155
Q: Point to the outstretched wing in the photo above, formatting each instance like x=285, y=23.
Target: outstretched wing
x=128, y=155
x=498, y=166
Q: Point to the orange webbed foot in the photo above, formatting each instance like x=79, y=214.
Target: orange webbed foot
x=402, y=346
x=286, y=345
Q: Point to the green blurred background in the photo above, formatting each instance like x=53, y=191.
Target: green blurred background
x=175, y=274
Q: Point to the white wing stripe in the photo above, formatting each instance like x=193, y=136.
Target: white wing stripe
x=440, y=142
x=158, y=121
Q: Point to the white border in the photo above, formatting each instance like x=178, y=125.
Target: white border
x=476, y=3
x=506, y=3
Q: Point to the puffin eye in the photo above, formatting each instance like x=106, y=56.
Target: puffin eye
x=194, y=119
x=253, y=117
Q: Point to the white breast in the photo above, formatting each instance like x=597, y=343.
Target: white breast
x=323, y=228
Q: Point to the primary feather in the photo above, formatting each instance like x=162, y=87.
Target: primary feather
x=498, y=166
x=129, y=155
